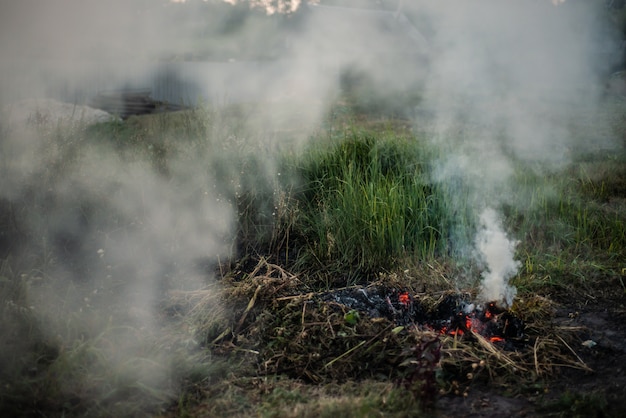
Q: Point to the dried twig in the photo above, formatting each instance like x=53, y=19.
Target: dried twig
x=583, y=365
x=248, y=308
x=491, y=349
x=535, y=357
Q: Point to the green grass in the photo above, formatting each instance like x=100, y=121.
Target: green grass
x=367, y=202
x=572, y=229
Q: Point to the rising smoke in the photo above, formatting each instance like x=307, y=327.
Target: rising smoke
x=98, y=236
x=498, y=252
x=507, y=80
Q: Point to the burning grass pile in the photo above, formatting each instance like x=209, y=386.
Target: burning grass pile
x=283, y=328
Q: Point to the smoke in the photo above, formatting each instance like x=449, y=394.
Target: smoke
x=513, y=74
x=508, y=82
x=98, y=235
x=497, y=251
x=105, y=235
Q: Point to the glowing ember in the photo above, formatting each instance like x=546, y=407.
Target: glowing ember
x=404, y=298
x=490, y=321
x=453, y=315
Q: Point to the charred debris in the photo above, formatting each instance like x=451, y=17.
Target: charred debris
x=452, y=314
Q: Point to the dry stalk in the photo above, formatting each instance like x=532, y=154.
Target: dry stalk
x=294, y=297
x=537, y=370
x=498, y=354
x=581, y=362
x=346, y=353
x=248, y=308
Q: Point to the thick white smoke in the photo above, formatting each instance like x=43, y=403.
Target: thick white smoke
x=497, y=251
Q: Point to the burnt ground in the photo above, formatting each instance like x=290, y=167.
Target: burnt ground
x=601, y=332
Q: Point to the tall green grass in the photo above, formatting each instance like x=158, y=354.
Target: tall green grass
x=571, y=210
x=366, y=201
x=571, y=224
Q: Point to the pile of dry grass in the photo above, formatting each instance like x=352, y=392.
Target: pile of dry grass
x=284, y=328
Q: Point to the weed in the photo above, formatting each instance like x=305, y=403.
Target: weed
x=422, y=365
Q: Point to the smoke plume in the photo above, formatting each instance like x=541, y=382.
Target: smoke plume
x=497, y=251
x=99, y=234
x=508, y=82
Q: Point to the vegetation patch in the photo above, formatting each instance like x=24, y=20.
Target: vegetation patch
x=339, y=255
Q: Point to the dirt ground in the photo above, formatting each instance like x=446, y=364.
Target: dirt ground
x=601, y=321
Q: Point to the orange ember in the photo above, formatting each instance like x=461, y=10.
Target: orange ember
x=404, y=298
x=472, y=323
